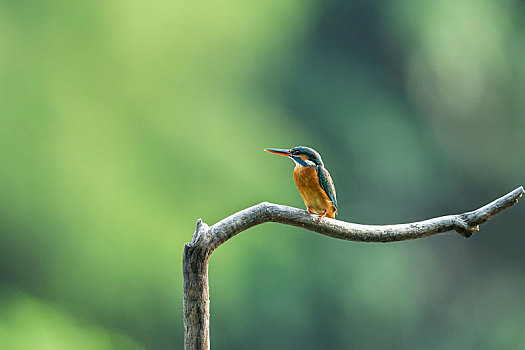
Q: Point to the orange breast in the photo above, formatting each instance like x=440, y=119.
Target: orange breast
x=314, y=197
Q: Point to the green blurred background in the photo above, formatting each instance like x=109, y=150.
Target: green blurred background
x=122, y=122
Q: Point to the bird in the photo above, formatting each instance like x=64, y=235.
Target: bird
x=312, y=180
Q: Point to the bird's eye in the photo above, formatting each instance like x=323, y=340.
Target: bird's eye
x=294, y=152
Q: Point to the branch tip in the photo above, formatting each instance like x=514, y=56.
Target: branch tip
x=200, y=229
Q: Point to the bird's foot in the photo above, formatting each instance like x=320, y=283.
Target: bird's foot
x=322, y=216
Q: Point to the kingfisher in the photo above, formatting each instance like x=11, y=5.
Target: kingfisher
x=312, y=179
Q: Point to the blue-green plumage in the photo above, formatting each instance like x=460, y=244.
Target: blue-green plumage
x=325, y=180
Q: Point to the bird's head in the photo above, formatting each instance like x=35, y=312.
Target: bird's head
x=301, y=155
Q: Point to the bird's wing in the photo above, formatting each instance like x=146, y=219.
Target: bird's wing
x=325, y=180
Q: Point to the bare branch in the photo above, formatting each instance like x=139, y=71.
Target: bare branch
x=465, y=224
x=206, y=239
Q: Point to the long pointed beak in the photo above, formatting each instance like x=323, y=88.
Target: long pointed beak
x=282, y=152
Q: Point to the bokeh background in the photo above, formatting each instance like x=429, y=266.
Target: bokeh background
x=122, y=122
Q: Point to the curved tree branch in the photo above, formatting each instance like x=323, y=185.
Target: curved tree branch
x=206, y=239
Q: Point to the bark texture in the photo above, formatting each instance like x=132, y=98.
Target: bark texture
x=206, y=239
